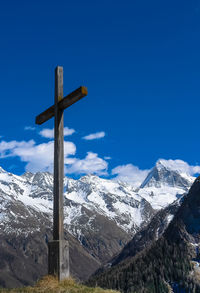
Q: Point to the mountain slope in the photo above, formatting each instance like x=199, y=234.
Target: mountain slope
x=23, y=254
x=101, y=216
x=173, y=259
x=145, y=237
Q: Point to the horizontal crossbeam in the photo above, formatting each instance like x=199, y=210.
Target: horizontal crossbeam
x=63, y=104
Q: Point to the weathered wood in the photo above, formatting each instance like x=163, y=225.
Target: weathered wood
x=58, y=233
x=58, y=259
x=65, y=103
x=72, y=98
x=45, y=116
x=59, y=248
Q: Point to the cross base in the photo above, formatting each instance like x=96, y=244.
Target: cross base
x=58, y=259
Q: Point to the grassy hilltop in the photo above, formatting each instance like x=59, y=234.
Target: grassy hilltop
x=50, y=285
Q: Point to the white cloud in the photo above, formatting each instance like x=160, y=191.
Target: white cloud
x=194, y=170
x=91, y=164
x=46, y=132
x=7, y=149
x=96, y=135
x=68, y=131
x=107, y=158
x=37, y=157
x=49, y=133
x=29, y=128
x=40, y=157
x=133, y=175
x=130, y=174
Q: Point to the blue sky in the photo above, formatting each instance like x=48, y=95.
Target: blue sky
x=140, y=61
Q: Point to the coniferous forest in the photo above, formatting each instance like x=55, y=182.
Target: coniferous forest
x=151, y=271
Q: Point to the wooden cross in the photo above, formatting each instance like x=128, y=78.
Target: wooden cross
x=58, y=257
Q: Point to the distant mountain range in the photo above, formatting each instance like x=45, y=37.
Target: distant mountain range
x=101, y=217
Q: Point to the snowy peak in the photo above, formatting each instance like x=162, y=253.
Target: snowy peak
x=111, y=199
x=27, y=175
x=43, y=179
x=173, y=173
x=115, y=201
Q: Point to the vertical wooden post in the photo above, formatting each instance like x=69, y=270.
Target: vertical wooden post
x=58, y=233
x=58, y=248
x=58, y=256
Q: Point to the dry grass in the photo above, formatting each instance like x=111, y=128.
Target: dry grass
x=50, y=285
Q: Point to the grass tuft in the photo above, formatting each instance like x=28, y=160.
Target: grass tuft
x=49, y=284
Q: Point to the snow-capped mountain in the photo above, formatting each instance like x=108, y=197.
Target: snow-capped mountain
x=101, y=215
x=120, y=202
x=165, y=183
x=116, y=201
x=168, y=173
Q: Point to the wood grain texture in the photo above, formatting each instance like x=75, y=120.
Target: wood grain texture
x=58, y=232
x=63, y=104
x=58, y=249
